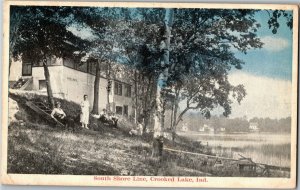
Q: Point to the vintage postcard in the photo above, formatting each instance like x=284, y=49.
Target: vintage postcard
x=149, y=94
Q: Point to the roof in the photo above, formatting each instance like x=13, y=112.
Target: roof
x=248, y=162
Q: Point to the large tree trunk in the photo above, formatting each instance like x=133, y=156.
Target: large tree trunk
x=136, y=97
x=161, y=82
x=108, y=72
x=9, y=62
x=16, y=19
x=163, y=114
x=150, y=103
x=95, y=109
x=172, y=114
x=48, y=83
x=176, y=104
x=107, y=95
x=146, y=104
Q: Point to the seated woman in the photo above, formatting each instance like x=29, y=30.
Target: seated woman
x=114, y=120
x=107, y=118
x=59, y=115
x=138, y=130
x=104, y=116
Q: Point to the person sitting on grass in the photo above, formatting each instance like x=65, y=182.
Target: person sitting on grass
x=138, y=130
x=114, y=120
x=107, y=118
x=103, y=116
x=59, y=115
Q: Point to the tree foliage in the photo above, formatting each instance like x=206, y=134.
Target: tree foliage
x=201, y=53
x=42, y=33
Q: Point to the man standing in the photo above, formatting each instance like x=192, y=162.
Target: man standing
x=84, y=116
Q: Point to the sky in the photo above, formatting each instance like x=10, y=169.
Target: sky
x=275, y=58
x=266, y=75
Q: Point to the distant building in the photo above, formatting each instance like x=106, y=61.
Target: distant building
x=167, y=133
x=253, y=127
x=184, y=127
x=206, y=129
x=222, y=129
x=71, y=79
x=202, y=128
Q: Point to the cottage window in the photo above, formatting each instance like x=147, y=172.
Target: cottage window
x=119, y=110
x=42, y=85
x=26, y=69
x=92, y=67
x=125, y=110
x=118, y=88
x=69, y=63
x=82, y=66
x=26, y=65
x=50, y=61
x=127, y=89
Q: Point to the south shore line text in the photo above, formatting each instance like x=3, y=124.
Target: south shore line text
x=152, y=179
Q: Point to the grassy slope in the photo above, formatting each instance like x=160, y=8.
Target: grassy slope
x=36, y=147
x=40, y=149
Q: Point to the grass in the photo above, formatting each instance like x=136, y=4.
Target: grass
x=37, y=150
x=278, y=155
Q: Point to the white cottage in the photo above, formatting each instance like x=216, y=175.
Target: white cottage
x=206, y=128
x=184, y=127
x=253, y=127
x=70, y=80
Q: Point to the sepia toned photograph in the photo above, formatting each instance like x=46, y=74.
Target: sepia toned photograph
x=155, y=95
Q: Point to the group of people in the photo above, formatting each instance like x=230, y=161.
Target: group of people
x=107, y=118
x=59, y=115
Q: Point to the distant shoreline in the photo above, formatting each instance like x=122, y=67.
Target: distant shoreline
x=194, y=133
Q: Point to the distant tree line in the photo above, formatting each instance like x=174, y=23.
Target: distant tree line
x=241, y=124
x=282, y=125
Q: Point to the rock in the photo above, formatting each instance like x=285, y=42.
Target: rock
x=124, y=172
x=13, y=109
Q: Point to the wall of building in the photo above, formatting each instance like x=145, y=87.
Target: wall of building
x=72, y=84
x=122, y=100
x=15, y=70
x=56, y=80
x=77, y=83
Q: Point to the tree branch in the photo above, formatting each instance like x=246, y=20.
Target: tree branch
x=179, y=118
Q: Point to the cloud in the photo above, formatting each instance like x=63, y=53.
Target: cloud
x=266, y=97
x=83, y=32
x=273, y=44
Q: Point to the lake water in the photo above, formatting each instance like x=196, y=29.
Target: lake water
x=273, y=149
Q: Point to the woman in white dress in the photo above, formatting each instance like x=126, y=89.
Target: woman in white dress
x=84, y=115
